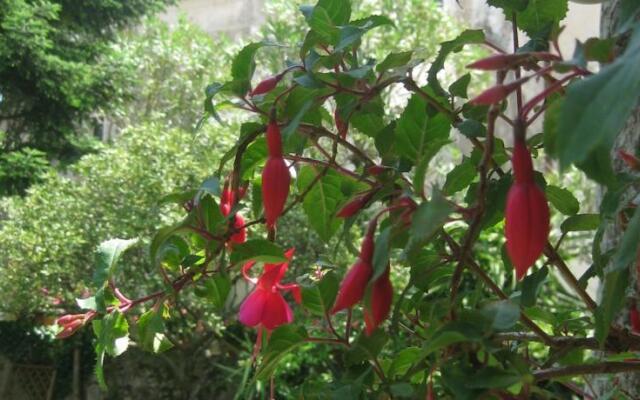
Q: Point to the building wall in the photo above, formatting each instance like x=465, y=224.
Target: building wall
x=233, y=17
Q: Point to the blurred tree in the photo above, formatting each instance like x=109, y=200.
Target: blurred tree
x=56, y=69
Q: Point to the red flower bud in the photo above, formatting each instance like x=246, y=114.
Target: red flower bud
x=355, y=281
x=526, y=215
x=275, y=188
x=506, y=61
x=492, y=95
x=381, y=297
x=241, y=235
x=354, y=205
x=629, y=159
x=274, y=140
x=634, y=317
x=341, y=125
x=376, y=170
x=266, y=85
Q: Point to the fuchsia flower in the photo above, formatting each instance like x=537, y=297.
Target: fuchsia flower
x=355, y=282
x=70, y=323
x=275, y=177
x=634, y=318
x=265, y=306
x=526, y=214
x=226, y=203
x=353, y=286
x=266, y=85
x=381, y=297
x=354, y=205
x=505, y=61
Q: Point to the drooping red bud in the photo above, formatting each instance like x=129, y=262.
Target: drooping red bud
x=521, y=162
x=496, y=62
x=498, y=93
x=376, y=170
x=381, y=298
x=274, y=140
x=275, y=188
x=634, y=318
x=506, y=61
x=355, y=281
x=266, y=85
x=632, y=161
x=354, y=205
x=241, y=235
x=526, y=214
x=341, y=125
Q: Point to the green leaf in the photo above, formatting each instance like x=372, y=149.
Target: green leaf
x=156, y=252
x=597, y=166
x=472, y=128
x=419, y=137
x=613, y=298
x=449, y=334
x=580, y=222
x=107, y=256
x=151, y=333
x=243, y=67
x=255, y=155
x=322, y=201
x=216, y=289
x=283, y=340
x=366, y=347
x=427, y=220
x=112, y=337
x=550, y=125
x=321, y=23
x=531, y=286
x=350, y=34
x=88, y=303
x=381, y=253
x=460, y=177
x=584, y=122
x=540, y=15
x=562, y=200
x=394, y=60
x=493, y=377
x=627, y=250
x=446, y=48
x=319, y=298
x=403, y=360
x=339, y=11
x=259, y=250
x=459, y=87
x=503, y=314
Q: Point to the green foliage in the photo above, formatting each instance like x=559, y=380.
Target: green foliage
x=55, y=66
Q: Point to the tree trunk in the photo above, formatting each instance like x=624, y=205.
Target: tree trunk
x=627, y=384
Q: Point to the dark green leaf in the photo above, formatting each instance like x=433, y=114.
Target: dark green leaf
x=427, y=220
x=282, y=341
x=472, y=128
x=503, y=314
x=366, y=347
x=540, y=15
x=531, y=286
x=459, y=87
x=381, y=253
x=613, y=298
x=215, y=289
x=259, y=250
x=243, y=67
x=151, y=332
x=322, y=201
x=628, y=247
x=580, y=222
x=319, y=298
x=446, y=48
x=584, y=122
x=562, y=200
x=460, y=177
x=394, y=60
x=107, y=256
